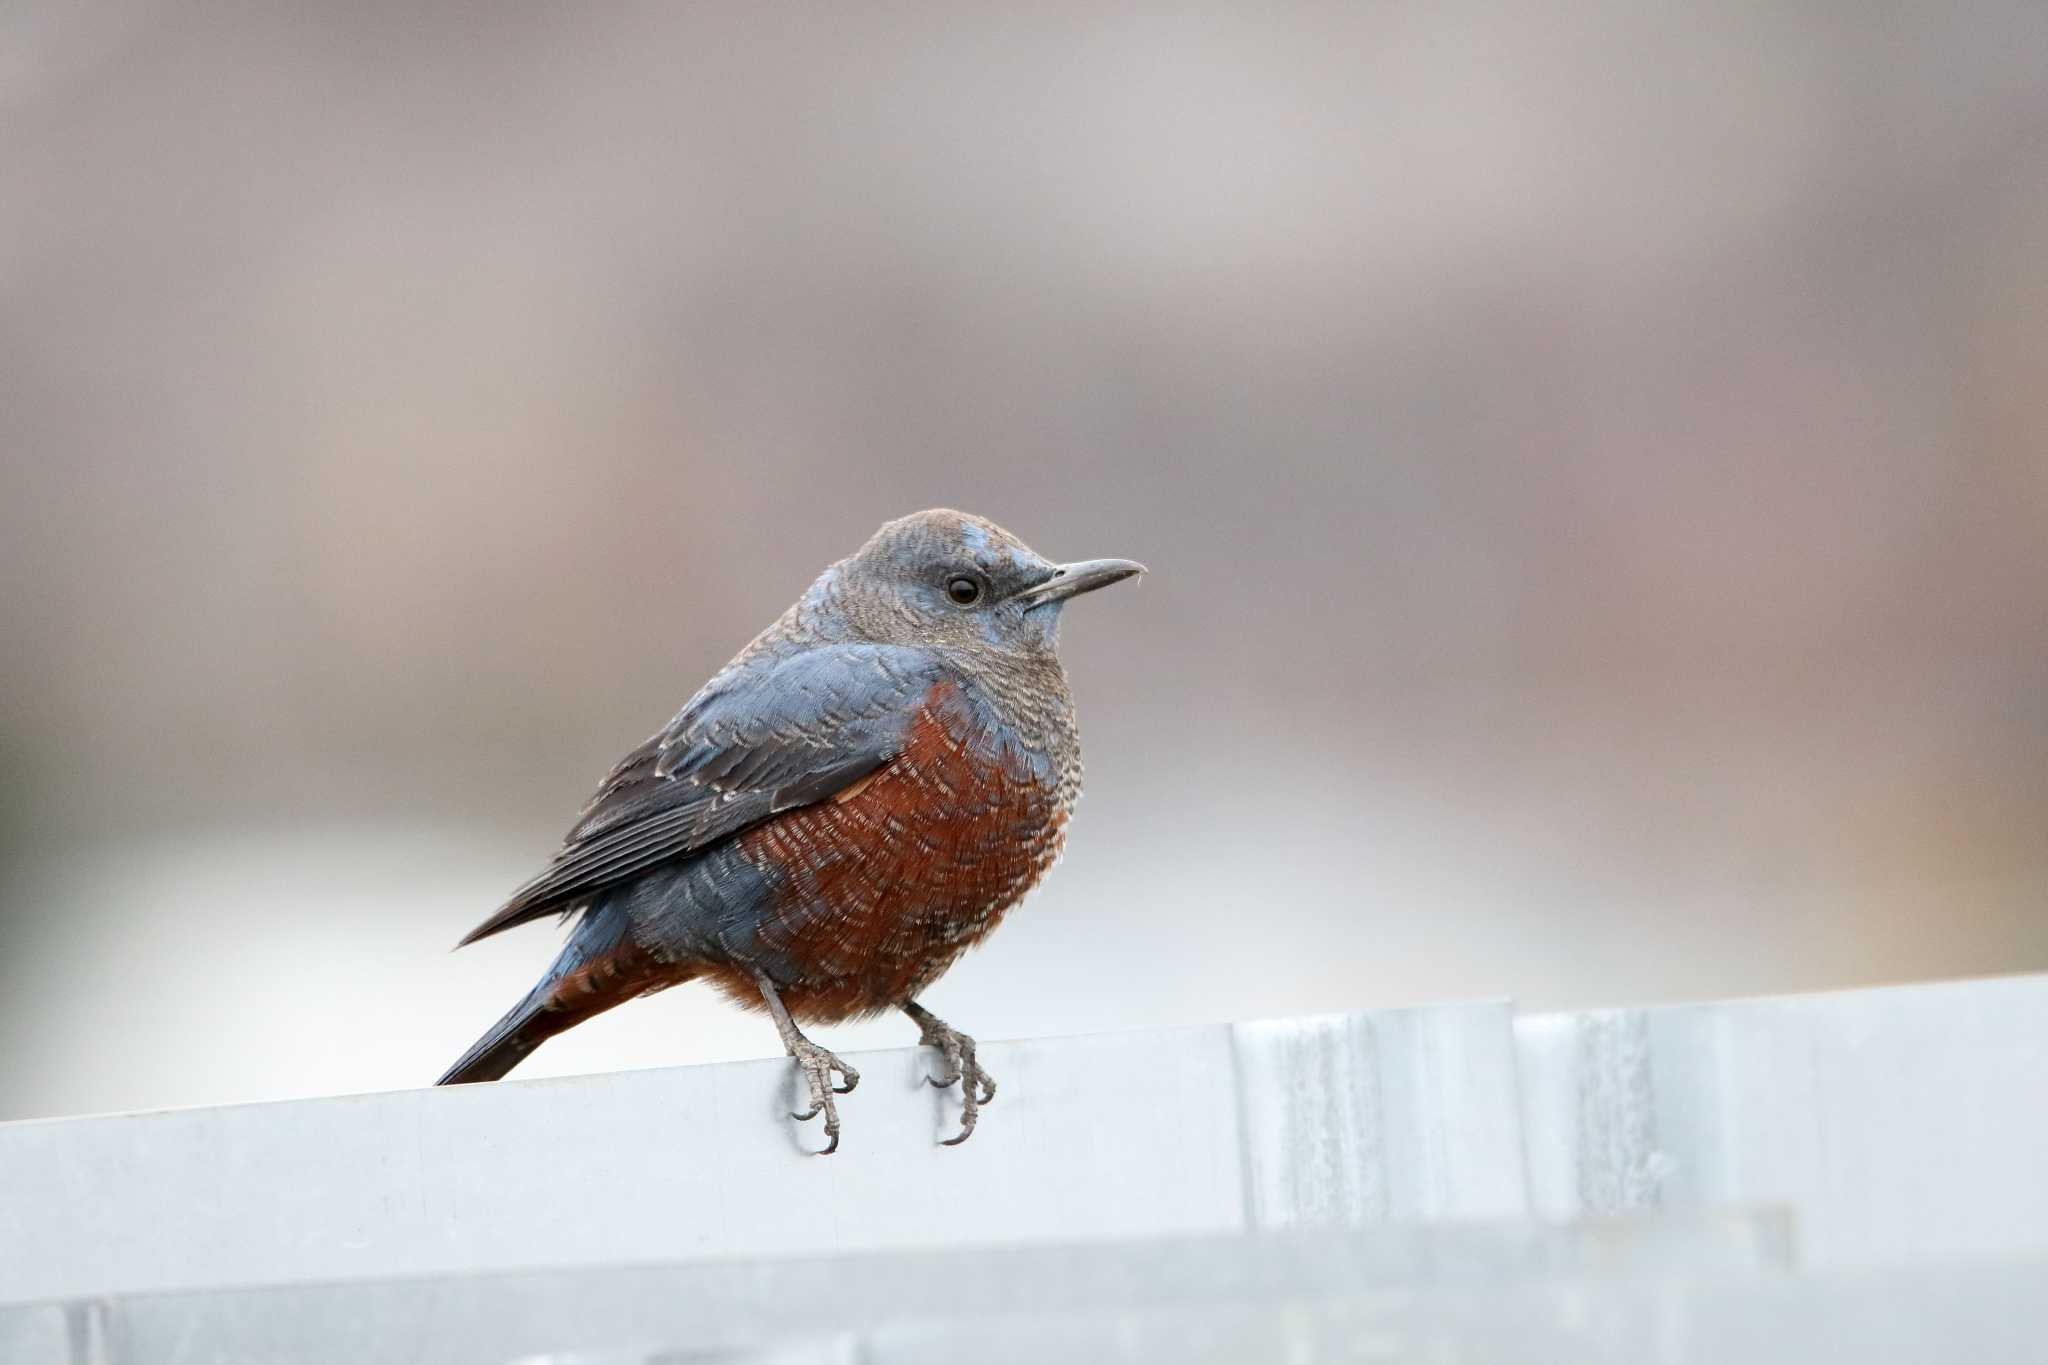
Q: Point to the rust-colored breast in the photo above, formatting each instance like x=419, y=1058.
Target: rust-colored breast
x=881, y=889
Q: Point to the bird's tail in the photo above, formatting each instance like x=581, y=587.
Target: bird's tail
x=506, y=1044
x=600, y=966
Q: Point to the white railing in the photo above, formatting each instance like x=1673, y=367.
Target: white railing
x=1781, y=1160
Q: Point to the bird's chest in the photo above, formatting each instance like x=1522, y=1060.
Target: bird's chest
x=878, y=890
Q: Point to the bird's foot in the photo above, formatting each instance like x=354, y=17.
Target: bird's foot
x=977, y=1087
x=817, y=1067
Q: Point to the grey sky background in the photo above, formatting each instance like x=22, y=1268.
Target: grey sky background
x=1593, y=460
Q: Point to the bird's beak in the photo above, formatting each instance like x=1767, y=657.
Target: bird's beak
x=1071, y=580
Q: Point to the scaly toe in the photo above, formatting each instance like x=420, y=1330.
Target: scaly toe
x=817, y=1067
x=977, y=1087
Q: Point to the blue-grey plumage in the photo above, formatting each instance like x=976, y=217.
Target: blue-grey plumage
x=844, y=808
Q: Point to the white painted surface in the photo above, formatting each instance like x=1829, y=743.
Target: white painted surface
x=1905, y=1123
x=1982, y=1315
x=1114, y=1136
x=780, y=1309
x=1902, y=1132
x=35, y=1335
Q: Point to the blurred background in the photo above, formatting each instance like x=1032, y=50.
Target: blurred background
x=1593, y=462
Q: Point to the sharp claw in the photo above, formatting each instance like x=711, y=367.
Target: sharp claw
x=977, y=1087
x=814, y=1064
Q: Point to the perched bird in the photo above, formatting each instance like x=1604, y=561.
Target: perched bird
x=848, y=806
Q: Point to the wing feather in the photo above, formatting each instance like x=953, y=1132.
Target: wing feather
x=767, y=735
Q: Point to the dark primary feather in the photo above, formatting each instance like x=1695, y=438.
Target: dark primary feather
x=769, y=735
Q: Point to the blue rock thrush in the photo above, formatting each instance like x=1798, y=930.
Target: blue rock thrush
x=848, y=806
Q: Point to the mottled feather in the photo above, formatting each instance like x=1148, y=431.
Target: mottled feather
x=769, y=735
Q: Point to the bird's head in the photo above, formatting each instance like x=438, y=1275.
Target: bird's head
x=949, y=579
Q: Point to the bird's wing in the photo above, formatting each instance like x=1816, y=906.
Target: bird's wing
x=765, y=736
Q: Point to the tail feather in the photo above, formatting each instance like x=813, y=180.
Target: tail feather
x=600, y=967
x=506, y=1045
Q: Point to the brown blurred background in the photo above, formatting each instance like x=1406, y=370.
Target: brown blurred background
x=1593, y=460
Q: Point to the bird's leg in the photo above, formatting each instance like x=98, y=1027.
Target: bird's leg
x=977, y=1087
x=816, y=1064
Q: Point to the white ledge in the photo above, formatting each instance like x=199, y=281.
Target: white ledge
x=1893, y=1125
x=1131, y=1135
x=788, y=1308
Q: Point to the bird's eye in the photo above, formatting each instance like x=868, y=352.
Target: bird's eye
x=964, y=589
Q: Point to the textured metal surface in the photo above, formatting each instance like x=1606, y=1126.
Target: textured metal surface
x=1401, y=1114
x=1902, y=1123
